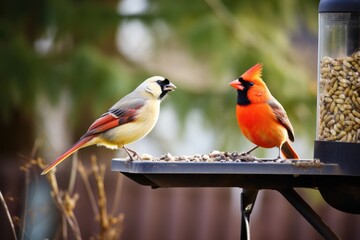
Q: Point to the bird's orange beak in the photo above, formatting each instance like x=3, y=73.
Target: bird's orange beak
x=237, y=85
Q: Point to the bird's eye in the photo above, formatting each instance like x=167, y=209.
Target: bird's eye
x=251, y=83
x=163, y=82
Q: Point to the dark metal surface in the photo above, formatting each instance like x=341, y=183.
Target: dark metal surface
x=342, y=193
x=330, y=178
x=303, y=167
x=346, y=155
x=226, y=174
x=247, y=201
x=338, y=183
x=308, y=213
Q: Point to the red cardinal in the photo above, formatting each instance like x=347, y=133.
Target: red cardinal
x=129, y=120
x=260, y=116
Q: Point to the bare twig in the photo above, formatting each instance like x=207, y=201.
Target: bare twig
x=8, y=215
x=23, y=219
x=72, y=179
x=38, y=143
x=111, y=227
x=69, y=204
x=64, y=227
x=99, y=176
x=118, y=191
x=29, y=162
x=50, y=176
x=85, y=179
x=64, y=203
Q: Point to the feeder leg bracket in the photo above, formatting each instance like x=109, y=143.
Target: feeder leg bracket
x=247, y=202
x=308, y=213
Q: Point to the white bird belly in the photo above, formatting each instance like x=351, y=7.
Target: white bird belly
x=132, y=131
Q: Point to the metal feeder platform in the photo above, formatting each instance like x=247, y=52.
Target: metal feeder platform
x=339, y=186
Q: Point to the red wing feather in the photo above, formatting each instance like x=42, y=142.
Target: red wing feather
x=110, y=120
x=104, y=126
x=103, y=120
x=121, y=113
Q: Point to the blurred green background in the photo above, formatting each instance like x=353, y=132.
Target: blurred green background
x=94, y=52
x=63, y=63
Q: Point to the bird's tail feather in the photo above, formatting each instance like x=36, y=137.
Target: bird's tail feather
x=66, y=154
x=288, y=151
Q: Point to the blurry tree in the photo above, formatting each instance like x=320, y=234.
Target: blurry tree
x=227, y=37
x=48, y=47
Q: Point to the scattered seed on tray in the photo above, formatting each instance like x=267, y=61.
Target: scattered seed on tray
x=217, y=156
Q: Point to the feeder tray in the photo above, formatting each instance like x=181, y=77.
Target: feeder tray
x=221, y=169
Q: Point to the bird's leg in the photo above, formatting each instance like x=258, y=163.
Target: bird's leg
x=248, y=152
x=279, y=156
x=134, y=154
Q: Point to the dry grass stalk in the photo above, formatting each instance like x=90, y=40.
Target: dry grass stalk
x=111, y=227
x=64, y=202
x=99, y=170
x=26, y=167
x=85, y=177
x=72, y=180
x=8, y=215
x=118, y=191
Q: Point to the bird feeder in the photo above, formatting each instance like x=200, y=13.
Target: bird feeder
x=338, y=103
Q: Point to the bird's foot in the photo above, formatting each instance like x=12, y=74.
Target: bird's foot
x=128, y=162
x=132, y=154
x=248, y=152
x=243, y=154
x=278, y=158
